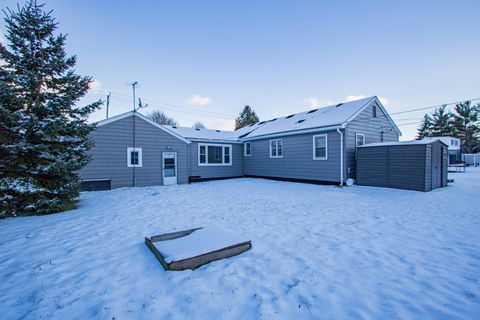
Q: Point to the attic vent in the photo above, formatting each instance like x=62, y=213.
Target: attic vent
x=300, y=121
x=262, y=122
x=312, y=111
x=339, y=105
x=217, y=130
x=290, y=116
x=197, y=129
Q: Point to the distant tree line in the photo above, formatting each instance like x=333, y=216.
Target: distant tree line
x=463, y=123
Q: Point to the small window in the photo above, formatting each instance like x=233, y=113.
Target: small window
x=381, y=136
x=134, y=157
x=247, y=149
x=320, y=147
x=374, y=111
x=359, y=139
x=214, y=155
x=276, y=148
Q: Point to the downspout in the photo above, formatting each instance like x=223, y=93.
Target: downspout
x=341, y=156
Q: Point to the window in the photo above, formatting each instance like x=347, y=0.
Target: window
x=276, y=148
x=134, y=157
x=320, y=147
x=359, y=139
x=214, y=155
x=247, y=149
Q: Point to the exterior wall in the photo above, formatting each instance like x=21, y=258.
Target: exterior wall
x=400, y=167
x=297, y=161
x=371, y=127
x=109, y=155
x=208, y=172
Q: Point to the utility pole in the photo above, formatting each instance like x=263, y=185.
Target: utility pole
x=108, y=102
x=134, y=84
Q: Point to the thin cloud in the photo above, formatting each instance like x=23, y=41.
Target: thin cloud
x=96, y=86
x=221, y=124
x=315, y=103
x=199, y=100
x=353, y=97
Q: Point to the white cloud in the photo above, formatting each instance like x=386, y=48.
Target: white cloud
x=353, y=97
x=220, y=124
x=315, y=103
x=2, y=38
x=96, y=86
x=199, y=100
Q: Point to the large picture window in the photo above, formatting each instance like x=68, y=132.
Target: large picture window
x=214, y=155
x=320, y=147
x=276, y=148
x=134, y=157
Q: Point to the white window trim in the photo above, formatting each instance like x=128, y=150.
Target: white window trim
x=326, y=147
x=206, y=154
x=245, y=149
x=356, y=139
x=277, y=156
x=140, y=158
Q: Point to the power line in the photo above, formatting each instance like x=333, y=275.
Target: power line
x=431, y=107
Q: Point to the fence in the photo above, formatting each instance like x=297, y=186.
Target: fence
x=471, y=159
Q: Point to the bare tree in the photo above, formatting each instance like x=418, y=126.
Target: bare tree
x=161, y=118
x=199, y=125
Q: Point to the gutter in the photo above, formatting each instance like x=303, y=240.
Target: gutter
x=341, y=154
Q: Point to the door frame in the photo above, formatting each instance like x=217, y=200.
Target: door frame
x=167, y=155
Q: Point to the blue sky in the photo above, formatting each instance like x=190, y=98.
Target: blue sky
x=204, y=60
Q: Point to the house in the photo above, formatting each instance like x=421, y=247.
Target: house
x=316, y=146
x=420, y=165
x=454, y=144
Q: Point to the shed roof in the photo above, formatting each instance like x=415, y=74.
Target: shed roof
x=402, y=143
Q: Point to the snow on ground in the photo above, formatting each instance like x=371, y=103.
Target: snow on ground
x=318, y=252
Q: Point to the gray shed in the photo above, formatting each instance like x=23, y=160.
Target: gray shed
x=414, y=165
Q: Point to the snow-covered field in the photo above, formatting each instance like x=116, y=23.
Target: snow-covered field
x=318, y=252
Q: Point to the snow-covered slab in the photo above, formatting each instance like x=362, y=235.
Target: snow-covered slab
x=192, y=248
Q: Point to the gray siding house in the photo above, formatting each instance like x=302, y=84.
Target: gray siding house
x=317, y=146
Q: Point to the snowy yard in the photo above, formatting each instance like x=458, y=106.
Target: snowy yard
x=318, y=252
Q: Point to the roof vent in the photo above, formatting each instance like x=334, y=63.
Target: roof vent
x=312, y=111
x=273, y=119
x=174, y=127
x=339, y=105
x=217, y=130
x=290, y=116
x=262, y=122
x=300, y=121
x=197, y=129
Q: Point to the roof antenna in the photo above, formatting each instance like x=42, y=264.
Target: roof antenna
x=134, y=85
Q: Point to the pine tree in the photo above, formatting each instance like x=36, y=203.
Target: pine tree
x=467, y=126
x=442, y=123
x=246, y=117
x=161, y=118
x=198, y=125
x=44, y=136
x=425, y=129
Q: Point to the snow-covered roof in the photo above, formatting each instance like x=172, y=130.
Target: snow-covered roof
x=400, y=143
x=203, y=134
x=452, y=142
x=330, y=116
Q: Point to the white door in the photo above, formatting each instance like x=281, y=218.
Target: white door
x=169, y=168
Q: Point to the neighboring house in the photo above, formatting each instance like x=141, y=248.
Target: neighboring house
x=454, y=151
x=314, y=146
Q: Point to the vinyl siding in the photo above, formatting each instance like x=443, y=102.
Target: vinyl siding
x=371, y=127
x=297, y=161
x=109, y=155
x=235, y=170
